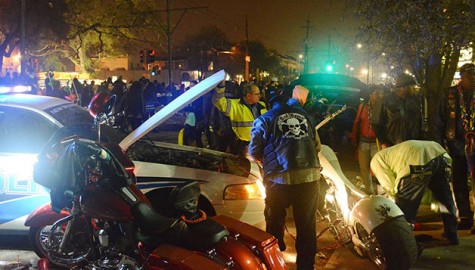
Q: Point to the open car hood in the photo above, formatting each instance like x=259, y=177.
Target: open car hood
x=173, y=107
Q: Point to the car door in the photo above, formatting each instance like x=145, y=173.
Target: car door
x=22, y=135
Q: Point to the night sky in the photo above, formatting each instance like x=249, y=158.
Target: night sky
x=279, y=24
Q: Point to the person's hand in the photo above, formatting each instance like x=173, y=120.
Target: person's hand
x=384, y=146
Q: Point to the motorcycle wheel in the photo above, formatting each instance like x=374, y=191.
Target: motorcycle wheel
x=391, y=245
x=75, y=254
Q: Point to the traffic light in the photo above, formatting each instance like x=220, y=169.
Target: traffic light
x=330, y=66
x=156, y=70
x=150, y=56
x=142, y=56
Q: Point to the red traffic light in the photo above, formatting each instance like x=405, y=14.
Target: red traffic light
x=150, y=56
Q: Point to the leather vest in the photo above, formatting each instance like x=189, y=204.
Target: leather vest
x=291, y=141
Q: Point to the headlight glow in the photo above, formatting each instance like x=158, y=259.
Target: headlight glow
x=248, y=191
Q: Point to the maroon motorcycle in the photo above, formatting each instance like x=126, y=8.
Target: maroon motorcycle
x=99, y=219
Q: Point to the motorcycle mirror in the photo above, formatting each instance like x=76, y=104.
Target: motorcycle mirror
x=101, y=103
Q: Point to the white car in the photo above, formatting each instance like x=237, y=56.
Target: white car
x=230, y=185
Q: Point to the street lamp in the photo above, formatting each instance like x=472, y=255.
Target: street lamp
x=359, y=46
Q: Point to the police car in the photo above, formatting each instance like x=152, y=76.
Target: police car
x=230, y=185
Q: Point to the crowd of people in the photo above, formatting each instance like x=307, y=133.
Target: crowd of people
x=390, y=132
x=272, y=124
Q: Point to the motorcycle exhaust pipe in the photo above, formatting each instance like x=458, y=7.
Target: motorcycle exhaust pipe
x=103, y=238
x=358, y=243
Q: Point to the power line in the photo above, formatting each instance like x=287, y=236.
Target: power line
x=224, y=20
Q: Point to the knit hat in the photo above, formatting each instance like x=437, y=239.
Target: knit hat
x=470, y=68
x=300, y=93
x=404, y=80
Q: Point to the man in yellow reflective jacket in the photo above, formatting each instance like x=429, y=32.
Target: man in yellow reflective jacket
x=242, y=112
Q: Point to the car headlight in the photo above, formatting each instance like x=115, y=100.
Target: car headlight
x=248, y=191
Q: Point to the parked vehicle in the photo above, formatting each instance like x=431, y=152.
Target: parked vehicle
x=230, y=184
x=328, y=94
x=374, y=225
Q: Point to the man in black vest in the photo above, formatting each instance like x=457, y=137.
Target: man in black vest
x=454, y=128
x=285, y=143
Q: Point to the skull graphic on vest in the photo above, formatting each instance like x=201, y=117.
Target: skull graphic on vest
x=293, y=126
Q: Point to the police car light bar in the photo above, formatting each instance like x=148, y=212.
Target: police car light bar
x=15, y=89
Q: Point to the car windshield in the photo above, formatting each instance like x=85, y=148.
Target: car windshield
x=69, y=114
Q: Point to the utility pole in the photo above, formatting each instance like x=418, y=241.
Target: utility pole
x=22, y=43
x=169, y=46
x=169, y=32
x=247, y=58
x=305, y=61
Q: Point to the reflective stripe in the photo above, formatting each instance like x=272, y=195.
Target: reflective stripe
x=219, y=95
x=228, y=106
x=242, y=124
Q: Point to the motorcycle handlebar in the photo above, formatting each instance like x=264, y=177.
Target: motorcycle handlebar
x=92, y=149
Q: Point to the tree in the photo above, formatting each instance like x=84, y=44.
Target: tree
x=43, y=21
x=205, y=47
x=425, y=36
x=262, y=59
x=81, y=31
x=108, y=27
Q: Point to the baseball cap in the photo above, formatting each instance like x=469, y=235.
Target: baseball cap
x=404, y=80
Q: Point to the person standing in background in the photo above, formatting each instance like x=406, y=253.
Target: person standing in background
x=242, y=112
x=454, y=128
x=398, y=117
x=364, y=138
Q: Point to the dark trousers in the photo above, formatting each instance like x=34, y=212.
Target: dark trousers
x=460, y=184
x=199, y=128
x=225, y=140
x=411, y=189
x=242, y=148
x=303, y=199
x=188, y=135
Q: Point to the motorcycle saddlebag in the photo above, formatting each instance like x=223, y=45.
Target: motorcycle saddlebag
x=263, y=241
x=170, y=257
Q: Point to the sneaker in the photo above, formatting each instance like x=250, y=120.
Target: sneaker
x=465, y=223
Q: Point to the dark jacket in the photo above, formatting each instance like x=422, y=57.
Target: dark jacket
x=284, y=139
x=398, y=119
x=455, y=142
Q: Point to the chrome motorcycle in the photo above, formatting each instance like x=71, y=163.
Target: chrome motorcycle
x=373, y=224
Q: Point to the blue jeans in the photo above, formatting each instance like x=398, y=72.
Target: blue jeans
x=366, y=151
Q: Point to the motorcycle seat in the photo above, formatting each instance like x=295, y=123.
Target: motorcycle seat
x=158, y=229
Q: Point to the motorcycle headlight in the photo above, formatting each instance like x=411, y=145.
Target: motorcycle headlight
x=248, y=191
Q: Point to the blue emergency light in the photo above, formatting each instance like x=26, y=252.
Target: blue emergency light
x=15, y=89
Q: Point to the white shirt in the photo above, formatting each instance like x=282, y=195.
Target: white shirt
x=393, y=163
